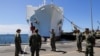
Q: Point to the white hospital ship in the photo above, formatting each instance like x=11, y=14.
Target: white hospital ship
x=45, y=17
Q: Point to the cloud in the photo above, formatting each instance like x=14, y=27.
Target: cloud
x=11, y=29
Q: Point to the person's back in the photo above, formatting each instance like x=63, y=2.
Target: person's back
x=35, y=40
x=35, y=43
x=90, y=40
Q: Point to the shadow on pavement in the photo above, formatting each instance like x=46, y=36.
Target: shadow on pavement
x=97, y=46
x=43, y=49
x=61, y=51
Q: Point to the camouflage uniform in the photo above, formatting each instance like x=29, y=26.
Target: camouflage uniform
x=90, y=41
x=89, y=45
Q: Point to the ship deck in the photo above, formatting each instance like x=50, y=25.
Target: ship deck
x=68, y=46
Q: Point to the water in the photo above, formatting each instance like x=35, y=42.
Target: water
x=9, y=38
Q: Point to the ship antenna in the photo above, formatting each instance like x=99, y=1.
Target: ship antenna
x=51, y=1
x=44, y=2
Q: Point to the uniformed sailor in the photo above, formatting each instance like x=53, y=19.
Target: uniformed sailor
x=79, y=40
x=52, y=40
x=18, y=41
x=89, y=43
x=35, y=43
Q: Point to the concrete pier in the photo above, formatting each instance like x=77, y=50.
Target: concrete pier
x=67, y=46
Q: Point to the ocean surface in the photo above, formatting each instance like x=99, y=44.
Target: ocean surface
x=9, y=38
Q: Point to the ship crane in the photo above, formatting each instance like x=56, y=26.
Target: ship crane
x=74, y=25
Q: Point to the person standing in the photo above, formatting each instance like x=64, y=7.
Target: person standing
x=18, y=41
x=94, y=35
x=79, y=40
x=90, y=41
x=32, y=28
x=52, y=40
x=35, y=43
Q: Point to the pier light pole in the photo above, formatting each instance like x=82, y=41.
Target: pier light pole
x=91, y=14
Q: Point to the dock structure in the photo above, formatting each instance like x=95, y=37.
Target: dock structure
x=68, y=46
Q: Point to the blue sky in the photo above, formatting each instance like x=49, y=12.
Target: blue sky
x=13, y=13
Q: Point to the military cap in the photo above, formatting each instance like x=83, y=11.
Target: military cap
x=18, y=30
